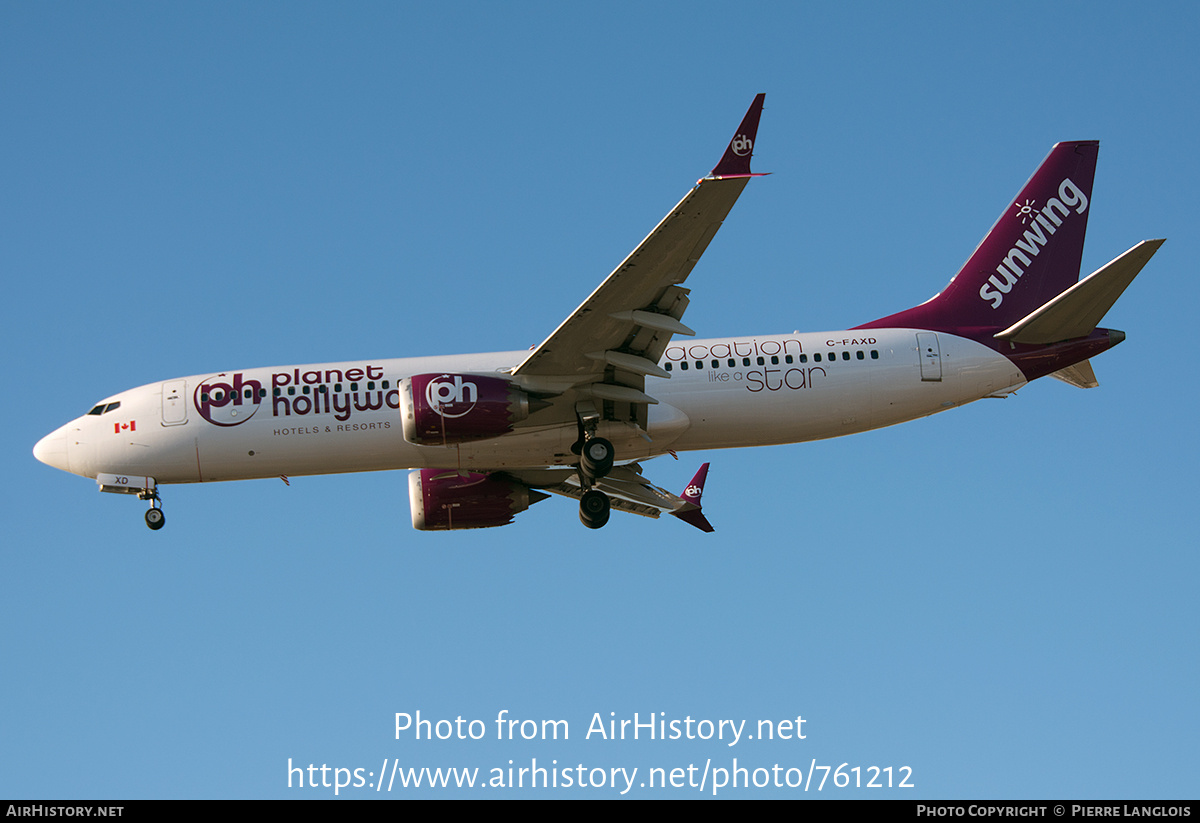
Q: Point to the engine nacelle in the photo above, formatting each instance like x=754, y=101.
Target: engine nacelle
x=439, y=409
x=443, y=499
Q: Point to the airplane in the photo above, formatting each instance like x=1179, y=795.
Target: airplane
x=488, y=435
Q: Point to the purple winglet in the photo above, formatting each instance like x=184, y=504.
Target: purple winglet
x=690, y=512
x=736, y=160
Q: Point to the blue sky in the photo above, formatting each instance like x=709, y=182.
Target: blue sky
x=1000, y=598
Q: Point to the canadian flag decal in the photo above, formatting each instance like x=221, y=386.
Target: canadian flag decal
x=125, y=427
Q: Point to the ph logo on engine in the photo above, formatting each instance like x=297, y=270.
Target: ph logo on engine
x=451, y=396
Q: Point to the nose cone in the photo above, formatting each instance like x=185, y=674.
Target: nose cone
x=52, y=450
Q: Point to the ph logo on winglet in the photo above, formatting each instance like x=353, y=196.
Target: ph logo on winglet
x=741, y=145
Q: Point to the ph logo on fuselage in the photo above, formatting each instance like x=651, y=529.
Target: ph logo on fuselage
x=451, y=397
x=225, y=403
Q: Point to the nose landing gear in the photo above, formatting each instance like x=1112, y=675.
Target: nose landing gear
x=155, y=518
x=144, y=487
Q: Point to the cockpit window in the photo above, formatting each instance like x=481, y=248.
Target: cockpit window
x=105, y=407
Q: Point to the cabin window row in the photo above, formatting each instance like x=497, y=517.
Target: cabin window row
x=218, y=395
x=732, y=362
x=337, y=387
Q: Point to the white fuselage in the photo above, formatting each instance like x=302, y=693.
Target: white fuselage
x=345, y=417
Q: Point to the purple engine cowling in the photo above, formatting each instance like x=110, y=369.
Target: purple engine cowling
x=439, y=409
x=443, y=499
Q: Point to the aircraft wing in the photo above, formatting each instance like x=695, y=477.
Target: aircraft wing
x=616, y=337
x=627, y=489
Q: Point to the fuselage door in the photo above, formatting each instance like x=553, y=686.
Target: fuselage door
x=174, y=403
x=931, y=357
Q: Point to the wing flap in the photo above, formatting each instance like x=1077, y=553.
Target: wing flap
x=620, y=332
x=612, y=315
x=627, y=489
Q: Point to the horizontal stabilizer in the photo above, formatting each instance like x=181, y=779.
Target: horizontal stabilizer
x=1080, y=375
x=1078, y=310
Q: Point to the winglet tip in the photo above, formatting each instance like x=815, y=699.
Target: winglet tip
x=736, y=160
x=691, y=513
x=696, y=518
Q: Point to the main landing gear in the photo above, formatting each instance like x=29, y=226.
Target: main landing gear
x=595, y=461
x=594, y=508
x=155, y=518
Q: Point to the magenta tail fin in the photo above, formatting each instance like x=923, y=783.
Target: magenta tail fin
x=1031, y=255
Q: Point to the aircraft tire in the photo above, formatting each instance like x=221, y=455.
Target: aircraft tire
x=155, y=519
x=597, y=457
x=594, y=508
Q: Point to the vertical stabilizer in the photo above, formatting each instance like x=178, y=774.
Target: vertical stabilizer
x=1031, y=255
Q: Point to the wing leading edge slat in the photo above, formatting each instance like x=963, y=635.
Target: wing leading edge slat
x=620, y=332
x=614, y=311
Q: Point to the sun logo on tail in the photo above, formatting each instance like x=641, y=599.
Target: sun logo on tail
x=1027, y=211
